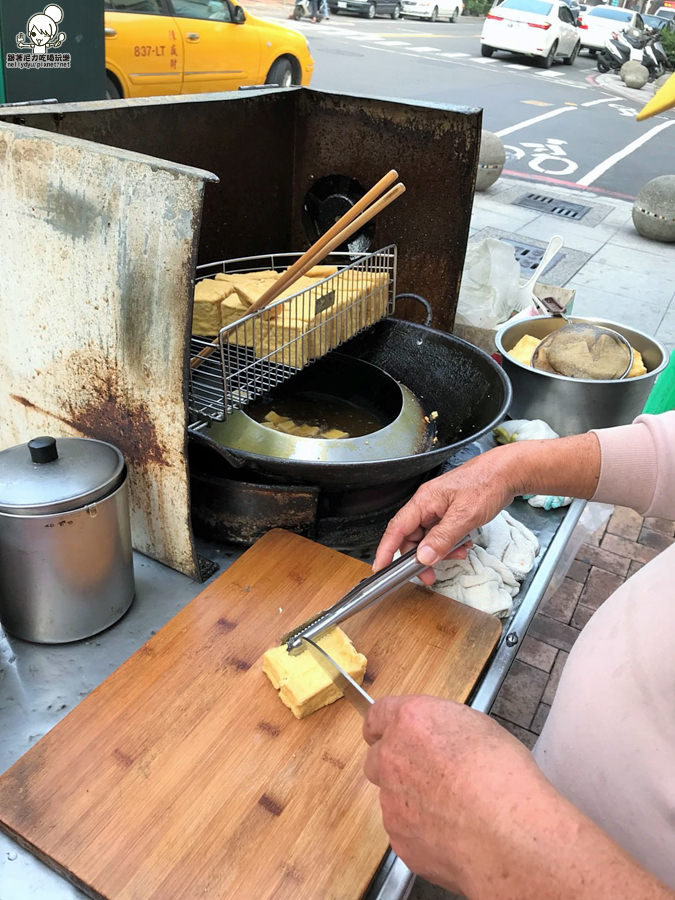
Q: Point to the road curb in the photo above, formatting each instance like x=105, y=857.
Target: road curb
x=614, y=84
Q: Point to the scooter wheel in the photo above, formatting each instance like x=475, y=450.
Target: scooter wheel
x=602, y=66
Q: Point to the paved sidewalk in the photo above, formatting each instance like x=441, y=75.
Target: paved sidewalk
x=616, y=273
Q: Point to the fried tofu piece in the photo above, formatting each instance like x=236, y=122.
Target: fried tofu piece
x=523, y=350
x=333, y=434
x=206, y=313
x=303, y=685
x=309, y=431
x=321, y=272
x=638, y=367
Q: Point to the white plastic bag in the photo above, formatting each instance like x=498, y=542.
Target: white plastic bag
x=489, y=293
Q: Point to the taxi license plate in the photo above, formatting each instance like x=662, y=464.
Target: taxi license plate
x=342, y=4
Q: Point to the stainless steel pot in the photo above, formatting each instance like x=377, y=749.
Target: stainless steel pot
x=66, y=568
x=575, y=405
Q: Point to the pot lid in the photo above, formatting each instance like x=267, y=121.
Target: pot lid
x=47, y=476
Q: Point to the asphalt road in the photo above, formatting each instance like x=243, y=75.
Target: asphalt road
x=558, y=126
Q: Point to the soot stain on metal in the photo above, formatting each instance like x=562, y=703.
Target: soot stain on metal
x=71, y=213
x=271, y=805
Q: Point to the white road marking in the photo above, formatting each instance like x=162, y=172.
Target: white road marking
x=484, y=60
x=596, y=102
x=515, y=66
x=425, y=49
x=455, y=55
x=602, y=167
x=551, y=114
x=400, y=44
x=548, y=74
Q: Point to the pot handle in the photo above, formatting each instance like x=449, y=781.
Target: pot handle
x=235, y=461
x=420, y=300
x=43, y=449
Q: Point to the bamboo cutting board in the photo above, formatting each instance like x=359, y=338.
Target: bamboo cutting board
x=183, y=775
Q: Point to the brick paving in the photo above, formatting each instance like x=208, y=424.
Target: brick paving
x=602, y=564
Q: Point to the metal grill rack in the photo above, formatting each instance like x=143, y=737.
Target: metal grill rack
x=261, y=350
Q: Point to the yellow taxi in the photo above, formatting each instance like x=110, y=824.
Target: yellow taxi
x=190, y=46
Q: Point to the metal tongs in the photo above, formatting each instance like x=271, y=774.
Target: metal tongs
x=363, y=595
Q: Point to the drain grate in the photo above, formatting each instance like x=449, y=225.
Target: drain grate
x=553, y=206
x=528, y=256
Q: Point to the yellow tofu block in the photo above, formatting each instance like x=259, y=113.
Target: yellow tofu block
x=275, y=417
x=306, y=430
x=231, y=314
x=524, y=349
x=638, y=367
x=321, y=271
x=206, y=314
x=206, y=317
x=333, y=434
x=248, y=285
x=209, y=289
x=303, y=685
x=294, y=332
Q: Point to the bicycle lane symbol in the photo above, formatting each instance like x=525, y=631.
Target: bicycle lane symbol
x=548, y=158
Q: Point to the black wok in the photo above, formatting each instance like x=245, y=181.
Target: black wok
x=468, y=390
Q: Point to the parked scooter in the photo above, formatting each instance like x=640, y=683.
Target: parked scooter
x=643, y=48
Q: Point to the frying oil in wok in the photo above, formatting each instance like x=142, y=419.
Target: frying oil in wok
x=324, y=411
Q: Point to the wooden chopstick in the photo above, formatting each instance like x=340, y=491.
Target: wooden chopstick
x=354, y=226
x=320, y=249
x=309, y=257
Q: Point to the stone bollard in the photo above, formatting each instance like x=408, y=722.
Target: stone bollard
x=658, y=84
x=634, y=74
x=654, y=209
x=491, y=159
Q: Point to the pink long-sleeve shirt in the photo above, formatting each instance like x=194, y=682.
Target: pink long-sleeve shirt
x=609, y=742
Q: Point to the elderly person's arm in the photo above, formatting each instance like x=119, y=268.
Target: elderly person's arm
x=633, y=465
x=466, y=807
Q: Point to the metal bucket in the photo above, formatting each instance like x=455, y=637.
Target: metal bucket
x=575, y=405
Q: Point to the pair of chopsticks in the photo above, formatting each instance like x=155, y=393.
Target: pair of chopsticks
x=353, y=220
x=365, y=209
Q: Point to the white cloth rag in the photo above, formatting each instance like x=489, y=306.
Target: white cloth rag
x=513, y=430
x=489, y=578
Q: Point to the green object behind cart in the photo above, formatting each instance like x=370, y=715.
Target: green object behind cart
x=662, y=395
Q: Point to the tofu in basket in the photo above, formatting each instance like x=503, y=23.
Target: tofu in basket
x=316, y=316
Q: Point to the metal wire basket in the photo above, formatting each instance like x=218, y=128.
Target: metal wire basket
x=263, y=349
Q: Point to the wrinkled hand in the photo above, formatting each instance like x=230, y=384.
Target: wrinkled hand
x=446, y=508
x=449, y=779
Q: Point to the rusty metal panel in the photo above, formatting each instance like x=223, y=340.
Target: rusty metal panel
x=98, y=249
x=246, y=138
x=268, y=149
x=435, y=150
